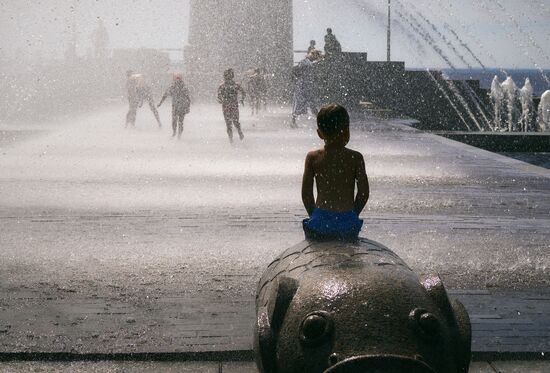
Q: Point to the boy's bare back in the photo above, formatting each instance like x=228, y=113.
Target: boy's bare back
x=335, y=170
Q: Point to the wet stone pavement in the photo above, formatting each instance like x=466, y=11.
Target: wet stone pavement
x=506, y=324
x=229, y=367
x=126, y=241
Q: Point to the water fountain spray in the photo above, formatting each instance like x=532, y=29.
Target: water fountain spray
x=479, y=105
x=510, y=91
x=544, y=112
x=421, y=30
x=513, y=35
x=526, y=99
x=497, y=97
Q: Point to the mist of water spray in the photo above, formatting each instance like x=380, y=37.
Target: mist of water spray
x=472, y=95
x=526, y=99
x=532, y=41
x=380, y=19
x=449, y=9
x=510, y=91
x=444, y=38
x=451, y=102
x=461, y=99
x=514, y=108
x=421, y=31
x=544, y=112
x=464, y=45
x=497, y=97
x=424, y=33
x=513, y=35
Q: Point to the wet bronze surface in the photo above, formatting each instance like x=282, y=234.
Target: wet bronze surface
x=346, y=307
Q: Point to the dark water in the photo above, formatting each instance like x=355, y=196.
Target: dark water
x=537, y=159
x=485, y=77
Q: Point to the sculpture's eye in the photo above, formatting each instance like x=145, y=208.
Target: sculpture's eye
x=316, y=328
x=426, y=322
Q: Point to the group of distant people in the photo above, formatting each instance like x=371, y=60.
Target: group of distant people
x=304, y=91
x=332, y=47
x=335, y=169
x=229, y=95
x=140, y=92
x=338, y=172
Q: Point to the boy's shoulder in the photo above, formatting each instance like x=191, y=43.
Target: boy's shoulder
x=345, y=152
x=315, y=153
x=354, y=153
x=353, y=157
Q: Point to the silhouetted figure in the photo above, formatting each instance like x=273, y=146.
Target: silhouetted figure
x=312, y=50
x=332, y=45
x=304, y=90
x=256, y=88
x=138, y=92
x=228, y=96
x=181, y=103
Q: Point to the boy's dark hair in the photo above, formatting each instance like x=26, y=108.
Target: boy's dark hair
x=332, y=119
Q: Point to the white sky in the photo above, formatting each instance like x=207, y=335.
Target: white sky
x=501, y=33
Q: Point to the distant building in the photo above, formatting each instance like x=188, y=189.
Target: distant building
x=70, y=50
x=100, y=38
x=239, y=34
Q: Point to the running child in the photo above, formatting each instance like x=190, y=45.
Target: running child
x=180, y=103
x=228, y=96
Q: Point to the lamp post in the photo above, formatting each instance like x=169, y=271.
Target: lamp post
x=389, y=30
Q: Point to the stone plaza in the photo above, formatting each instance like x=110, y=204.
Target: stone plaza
x=126, y=244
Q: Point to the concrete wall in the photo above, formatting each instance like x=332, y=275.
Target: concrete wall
x=423, y=95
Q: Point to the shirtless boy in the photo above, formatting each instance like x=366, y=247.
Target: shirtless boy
x=335, y=170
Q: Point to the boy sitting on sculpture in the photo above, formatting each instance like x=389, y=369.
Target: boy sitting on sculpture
x=335, y=170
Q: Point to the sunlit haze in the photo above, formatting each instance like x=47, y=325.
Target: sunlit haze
x=505, y=33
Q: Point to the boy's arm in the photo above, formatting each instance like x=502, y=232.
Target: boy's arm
x=307, y=185
x=220, y=98
x=362, y=186
x=166, y=94
x=243, y=93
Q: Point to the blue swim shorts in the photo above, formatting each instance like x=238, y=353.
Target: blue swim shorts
x=326, y=225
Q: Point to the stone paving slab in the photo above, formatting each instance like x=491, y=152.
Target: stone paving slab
x=227, y=367
x=508, y=321
x=504, y=323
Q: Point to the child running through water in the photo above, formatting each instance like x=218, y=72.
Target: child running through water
x=139, y=91
x=228, y=96
x=335, y=170
x=180, y=103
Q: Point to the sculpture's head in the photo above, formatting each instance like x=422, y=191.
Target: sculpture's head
x=352, y=320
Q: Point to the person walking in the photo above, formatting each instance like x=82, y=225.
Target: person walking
x=256, y=88
x=139, y=92
x=332, y=45
x=181, y=103
x=228, y=97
